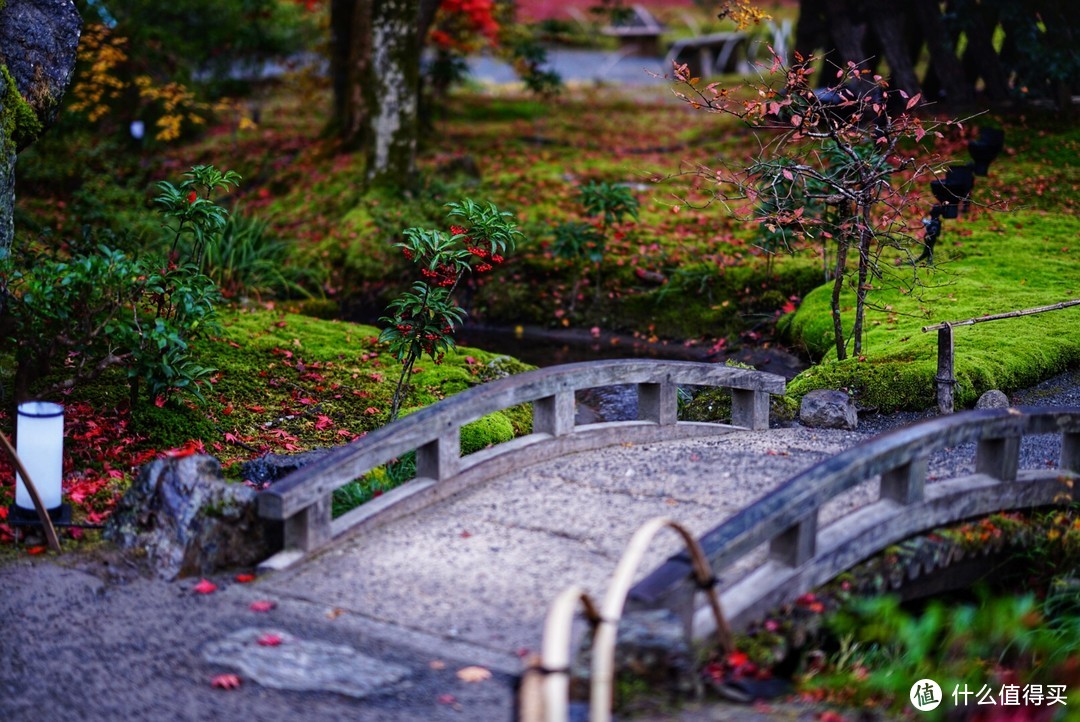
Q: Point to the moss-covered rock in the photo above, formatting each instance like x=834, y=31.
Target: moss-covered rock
x=19, y=122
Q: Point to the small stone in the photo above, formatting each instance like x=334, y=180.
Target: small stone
x=993, y=399
x=828, y=409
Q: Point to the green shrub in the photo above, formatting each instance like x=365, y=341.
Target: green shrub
x=103, y=309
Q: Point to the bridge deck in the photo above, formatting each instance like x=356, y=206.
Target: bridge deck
x=483, y=567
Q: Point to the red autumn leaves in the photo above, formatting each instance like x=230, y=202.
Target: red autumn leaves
x=266, y=639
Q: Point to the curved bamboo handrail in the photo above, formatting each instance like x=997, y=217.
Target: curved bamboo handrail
x=546, y=681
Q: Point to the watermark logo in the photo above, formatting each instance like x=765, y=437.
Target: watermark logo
x=925, y=695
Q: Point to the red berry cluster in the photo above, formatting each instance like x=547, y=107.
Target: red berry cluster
x=443, y=275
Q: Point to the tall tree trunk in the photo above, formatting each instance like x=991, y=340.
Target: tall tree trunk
x=943, y=61
x=350, y=28
x=891, y=24
x=7, y=189
x=392, y=93
x=980, y=50
x=848, y=36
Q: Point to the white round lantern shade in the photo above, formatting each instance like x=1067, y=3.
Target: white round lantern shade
x=40, y=445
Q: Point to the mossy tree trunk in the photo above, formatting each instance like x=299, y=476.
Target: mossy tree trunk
x=375, y=63
x=7, y=191
x=392, y=92
x=38, y=44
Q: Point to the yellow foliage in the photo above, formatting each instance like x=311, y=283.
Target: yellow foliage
x=103, y=54
x=742, y=13
x=105, y=82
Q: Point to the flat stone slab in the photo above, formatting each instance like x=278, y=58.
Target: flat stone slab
x=303, y=665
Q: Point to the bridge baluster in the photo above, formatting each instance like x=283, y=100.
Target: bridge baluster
x=797, y=544
x=439, y=459
x=554, y=414
x=309, y=528
x=1070, y=458
x=658, y=403
x=906, y=483
x=750, y=409
x=998, y=458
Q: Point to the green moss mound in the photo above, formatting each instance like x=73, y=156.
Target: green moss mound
x=490, y=430
x=1010, y=261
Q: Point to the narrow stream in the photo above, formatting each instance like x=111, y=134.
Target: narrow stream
x=547, y=347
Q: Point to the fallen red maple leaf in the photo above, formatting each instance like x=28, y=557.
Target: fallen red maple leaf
x=262, y=605
x=205, y=586
x=225, y=681
x=269, y=640
x=36, y=550
x=244, y=578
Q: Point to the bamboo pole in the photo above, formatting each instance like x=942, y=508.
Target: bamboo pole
x=946, y=371
x=43, y=514
x=999, y=316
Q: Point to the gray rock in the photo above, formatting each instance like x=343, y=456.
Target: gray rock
x=304, y=665
x=993, y=399
x=828, y=409
x=266, y=469
x=651, y=648
x=190, y=520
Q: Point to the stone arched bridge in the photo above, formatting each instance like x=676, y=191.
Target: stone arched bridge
x=480, y=545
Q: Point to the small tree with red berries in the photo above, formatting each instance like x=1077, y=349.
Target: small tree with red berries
x=423, y=319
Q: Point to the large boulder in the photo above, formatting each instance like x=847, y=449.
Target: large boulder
x=190, y=520
x=828, y=409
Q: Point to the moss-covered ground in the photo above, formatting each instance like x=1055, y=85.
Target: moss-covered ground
x=284, y=383
x=987, y=262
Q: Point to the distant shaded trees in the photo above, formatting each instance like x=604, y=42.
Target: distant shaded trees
x=1002, y=49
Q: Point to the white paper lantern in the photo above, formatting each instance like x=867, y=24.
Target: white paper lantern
x=40, y=445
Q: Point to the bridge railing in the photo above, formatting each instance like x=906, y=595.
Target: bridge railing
x=302, y=500
x=802, y=557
